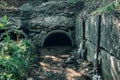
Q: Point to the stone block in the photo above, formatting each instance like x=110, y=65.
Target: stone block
x=92, y=29
x=110, y=64
x=91, y=50
x=110, y=67
x=78, y=30
x=51, y=22
x=110, y=35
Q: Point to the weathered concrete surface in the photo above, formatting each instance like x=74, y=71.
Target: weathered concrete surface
x=91, y=50
x=45, y=24
x=110, y=42
x=78, y=30
x=56, y=22
x=110, y=66
x=46, y=16
x=91, y=29
x=53, y=7
x=111, y=35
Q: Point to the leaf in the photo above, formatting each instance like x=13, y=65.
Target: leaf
x=107, y=8
x=9, y=75
x=5, y=19
x=1, y=25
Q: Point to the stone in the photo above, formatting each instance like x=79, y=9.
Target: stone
x=26, y=7
x=70, y=60
x=30, y=79
x=92, y=29
x=56, y=7
x=109, y=44
x=112, y=72
x=43, y=32
x=78, y=30
x=51, y=21
x=110, y=35
x=97, y=77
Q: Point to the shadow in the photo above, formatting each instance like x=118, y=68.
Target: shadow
x=50, y=66
x=57, y=39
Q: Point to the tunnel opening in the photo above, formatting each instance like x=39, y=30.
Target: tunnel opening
x=57, y=39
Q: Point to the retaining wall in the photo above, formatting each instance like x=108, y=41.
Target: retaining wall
x=110, y=42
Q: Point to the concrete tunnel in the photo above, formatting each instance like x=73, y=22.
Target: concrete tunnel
x=57, y=38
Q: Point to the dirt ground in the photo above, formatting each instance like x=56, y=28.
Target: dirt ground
x=51, y=66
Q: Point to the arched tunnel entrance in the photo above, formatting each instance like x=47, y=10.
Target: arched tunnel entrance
x=56, y=43
x=57, y=39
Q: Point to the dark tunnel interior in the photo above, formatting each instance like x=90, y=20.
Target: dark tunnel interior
x=57, y=39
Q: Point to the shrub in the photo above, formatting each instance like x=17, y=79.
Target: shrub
x=15, y=56
x=15, y=59
x=114, y=6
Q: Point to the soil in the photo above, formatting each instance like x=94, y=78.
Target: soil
x=51, y=65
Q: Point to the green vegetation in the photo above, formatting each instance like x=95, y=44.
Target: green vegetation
x=114, y=6
x=14, y=60
x=10, y=26
x=15, y=56
x=3, y=4
x=3, y=22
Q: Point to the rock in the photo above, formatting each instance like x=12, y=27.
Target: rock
x=110, y=39
x=51, y=21
x=53, y=7
x=91, y=72
x=70, y=60
x=97, y=77
x=30, y=79
x=26, y=7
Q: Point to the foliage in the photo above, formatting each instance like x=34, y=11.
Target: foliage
x=14, y=66
x=15, y=56
x=3, y=4
x=10, y=26
x=107, y=8
x=15, y=59
x=3, y=22
x=11, y=23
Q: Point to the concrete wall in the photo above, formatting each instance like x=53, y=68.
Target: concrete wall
x=110, y=42
x=41, y=27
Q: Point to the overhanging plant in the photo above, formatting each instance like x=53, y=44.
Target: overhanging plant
x=10, y=26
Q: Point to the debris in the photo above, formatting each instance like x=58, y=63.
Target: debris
x=70, y=60
x=30, y=79
x=97, y=77
x=61, y=66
